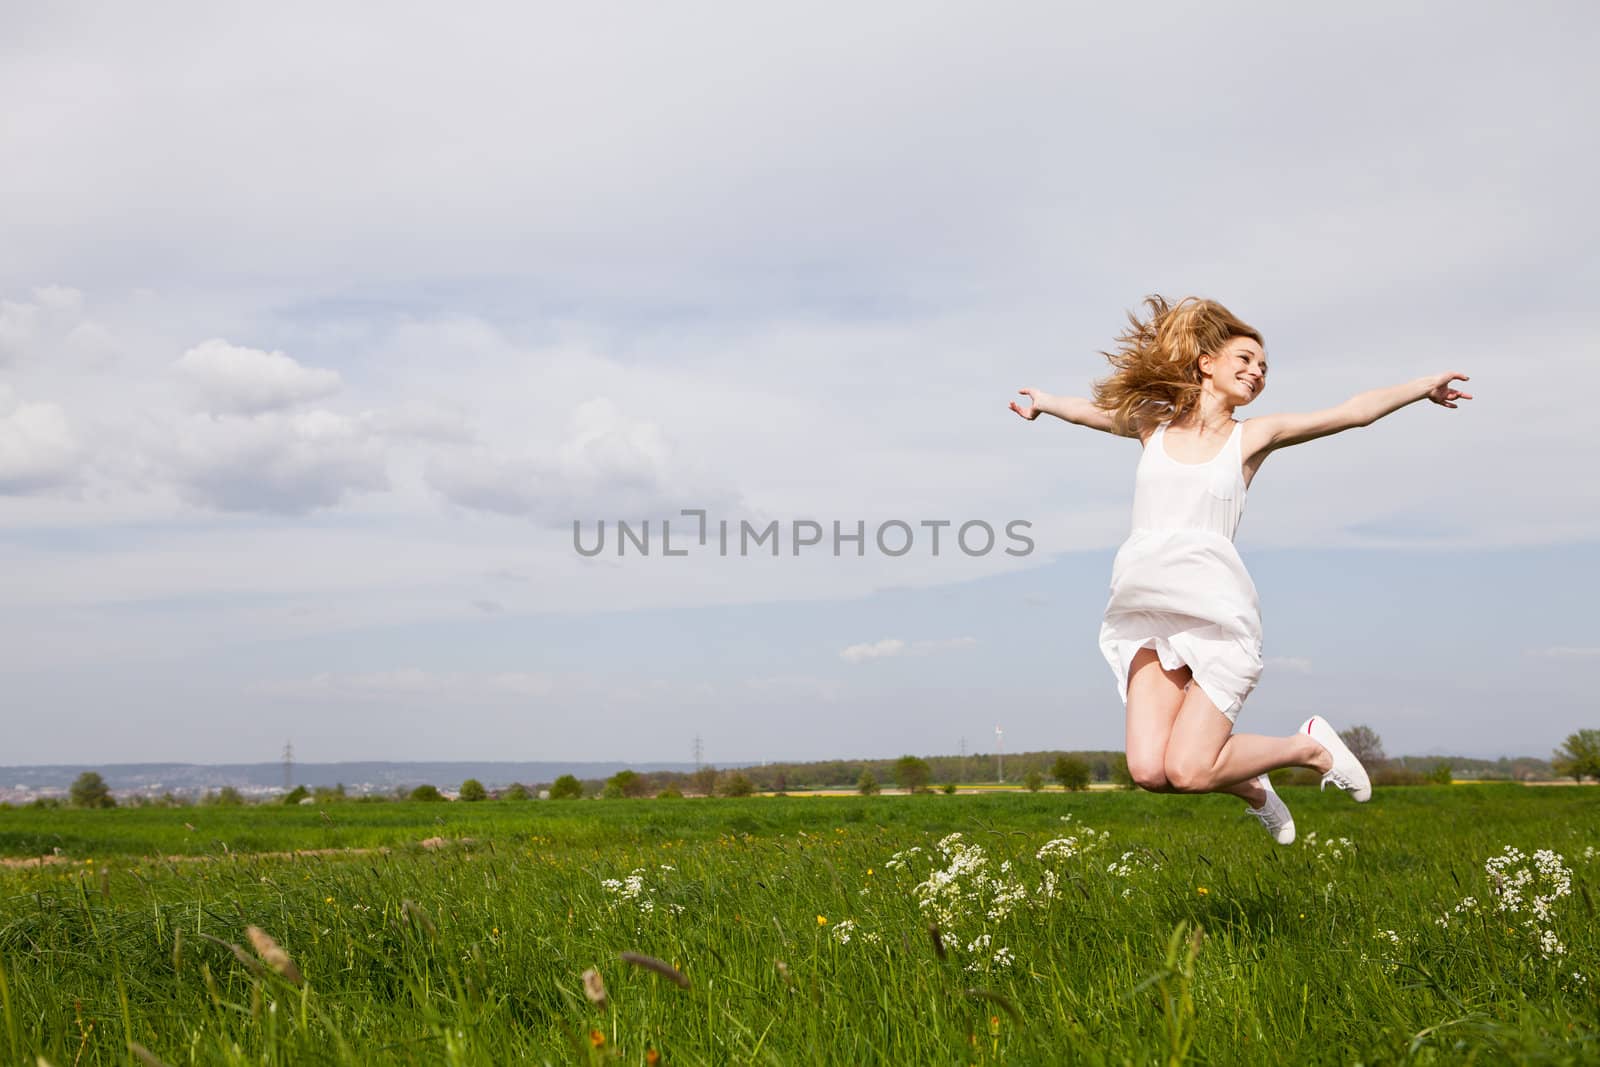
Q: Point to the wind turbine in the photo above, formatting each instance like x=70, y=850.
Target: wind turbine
x=999, y=756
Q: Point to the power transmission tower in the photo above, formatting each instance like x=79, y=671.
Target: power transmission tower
x=699, y=753
x=999, y=757
x=288, y=767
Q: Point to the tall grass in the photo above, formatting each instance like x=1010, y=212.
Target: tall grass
x=774, y=930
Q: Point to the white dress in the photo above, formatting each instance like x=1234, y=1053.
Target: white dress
x=1178, y=585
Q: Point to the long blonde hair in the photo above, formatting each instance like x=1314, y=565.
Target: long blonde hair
x=1157, y=361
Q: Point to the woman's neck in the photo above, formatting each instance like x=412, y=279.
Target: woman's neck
x=1212, y=415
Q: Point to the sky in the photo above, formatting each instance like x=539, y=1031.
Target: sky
x=321, y=327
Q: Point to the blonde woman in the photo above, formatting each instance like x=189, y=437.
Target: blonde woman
x=1182, y=630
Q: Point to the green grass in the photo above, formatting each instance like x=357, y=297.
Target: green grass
x=1216, y=946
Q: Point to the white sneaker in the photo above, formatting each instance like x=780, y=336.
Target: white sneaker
x=1274, y=814
x=1347, y=772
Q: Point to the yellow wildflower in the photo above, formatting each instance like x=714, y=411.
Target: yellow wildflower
x=822, y=920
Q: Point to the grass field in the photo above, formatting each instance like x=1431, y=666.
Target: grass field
x=1083, y=928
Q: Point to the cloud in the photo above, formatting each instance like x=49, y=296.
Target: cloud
x=38, y=450
x=412, y=682
x=800, y=686
x=276, y=463
x=59, y=299
x=890, y=647
x=609, y=465
x=17, y=324
x=50, y=324
x=421, y=422
x=238, y=380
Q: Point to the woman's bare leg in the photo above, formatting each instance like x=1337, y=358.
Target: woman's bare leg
x=1204, y=755
x=1155, y=697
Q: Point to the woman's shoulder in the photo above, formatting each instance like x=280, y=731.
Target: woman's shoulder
x=1151, y=430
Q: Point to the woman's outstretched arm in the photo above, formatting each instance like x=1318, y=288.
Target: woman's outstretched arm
x=1281, y=431
x=1074, y=409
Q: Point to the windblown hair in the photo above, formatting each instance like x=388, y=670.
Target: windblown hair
x=1157, y=361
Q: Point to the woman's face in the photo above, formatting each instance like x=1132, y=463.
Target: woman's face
x=1238, y=372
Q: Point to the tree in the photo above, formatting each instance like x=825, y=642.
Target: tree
x=1365, y=744
x=1073, y=773
x=226, y=797
x=949, y=789
x=912, y=773
x=867, y=785
x=472, y=789
x=425, y=794
x=566, y=787
x=1439, y=773
x=629, y=784
x=514, y=791
x=737, y=785
x=1033, y=781
x=1120, y=773
x=671, y=792
x=296, y=795
x=89, y=790
x=1578, y=756
x=703, y=781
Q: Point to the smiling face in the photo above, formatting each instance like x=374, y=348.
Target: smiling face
x=1237, y=372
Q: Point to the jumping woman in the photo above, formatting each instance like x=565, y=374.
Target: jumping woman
x=1182, y=630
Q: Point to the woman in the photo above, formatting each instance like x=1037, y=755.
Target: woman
x=1182, y=630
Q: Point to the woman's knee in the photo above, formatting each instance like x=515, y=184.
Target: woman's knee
x=1149, y=774
x=1188, y=775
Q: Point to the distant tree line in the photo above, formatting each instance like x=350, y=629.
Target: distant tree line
x=1578, y=758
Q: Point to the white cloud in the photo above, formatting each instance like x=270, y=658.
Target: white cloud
x=889, y=646
x=412, y=682
x=38, y=450
x=421, y=422
x=804, y=687
x=278, y=463
x=238, y=380
x=59, y=300
x=609, y=465
x=893, y=646
x=17, y=325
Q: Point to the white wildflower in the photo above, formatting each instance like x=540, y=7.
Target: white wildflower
x=1060, y=848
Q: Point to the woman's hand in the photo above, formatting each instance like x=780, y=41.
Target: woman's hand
x=1442, y=393
x=1036, y=397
